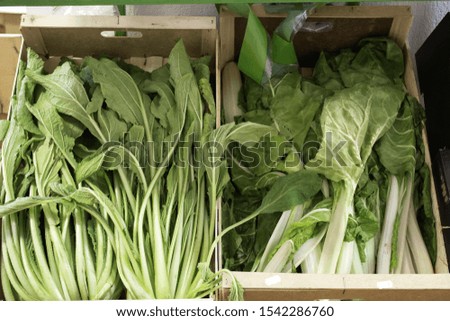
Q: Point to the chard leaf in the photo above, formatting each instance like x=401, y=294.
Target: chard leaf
x=367, y=112
x=179, y=62
x=293, y=111
x=301, y=231
x=291, y=190
x=260, y=116
x=161, y=74
x=397, y=148
x=202, y=74
x=46, y=164
x=250, y=133
x=425, y=213
x=118, y=155
x=368, y=225
x=325, y=73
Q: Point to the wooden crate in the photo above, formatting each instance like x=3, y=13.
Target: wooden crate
x=350, y=24
x=9, y=57
x=10, y=43
x=9, y=23
x=147, y=44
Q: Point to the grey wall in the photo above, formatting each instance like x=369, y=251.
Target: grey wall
x=427, y=14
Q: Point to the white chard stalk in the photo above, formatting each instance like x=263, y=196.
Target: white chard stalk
x=408, y=265
x=346, y=258
x=401, y=244
x=311, y=262
x=419, y=251
x=279, y=260
x=231, y=85
x=385, y=247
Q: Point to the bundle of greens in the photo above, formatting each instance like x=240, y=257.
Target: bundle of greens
x=355, y=126
x=110, y=181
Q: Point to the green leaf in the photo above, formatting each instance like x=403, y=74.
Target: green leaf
x=13, y=142
x=187, y=94
x=425, y=214
x=301, y=231
x=163, y=102
x=89, y=166
x=250, y=133
x=367, y=112
x=96, y=101
x=136, y=133
x=120, y=91
x=68, y=192
x=63, y=84
x=24, y=203
x=293, y=111
x=112, y=128
x=253, y=54
x=4, y=125
x=67, y=94
x=291, y=190
x=25, y=93
x=52, y=125
x=397, y=148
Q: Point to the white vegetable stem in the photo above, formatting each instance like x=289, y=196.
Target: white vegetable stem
x=286, y=218
x=404, y=215
x=336, y=230
x=357, y=267
x=345, y=258
x=385, y=246
x=370, y=264
x=307, y=250
x=421, y=259
x=279, y=260
x=408, y=265
x=274, y=238
x=311, y=262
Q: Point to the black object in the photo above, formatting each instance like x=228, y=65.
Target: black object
x=433, y=67
x=442, y=181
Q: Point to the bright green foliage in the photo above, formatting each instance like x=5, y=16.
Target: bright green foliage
x=110, y=190
x=355, y=126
